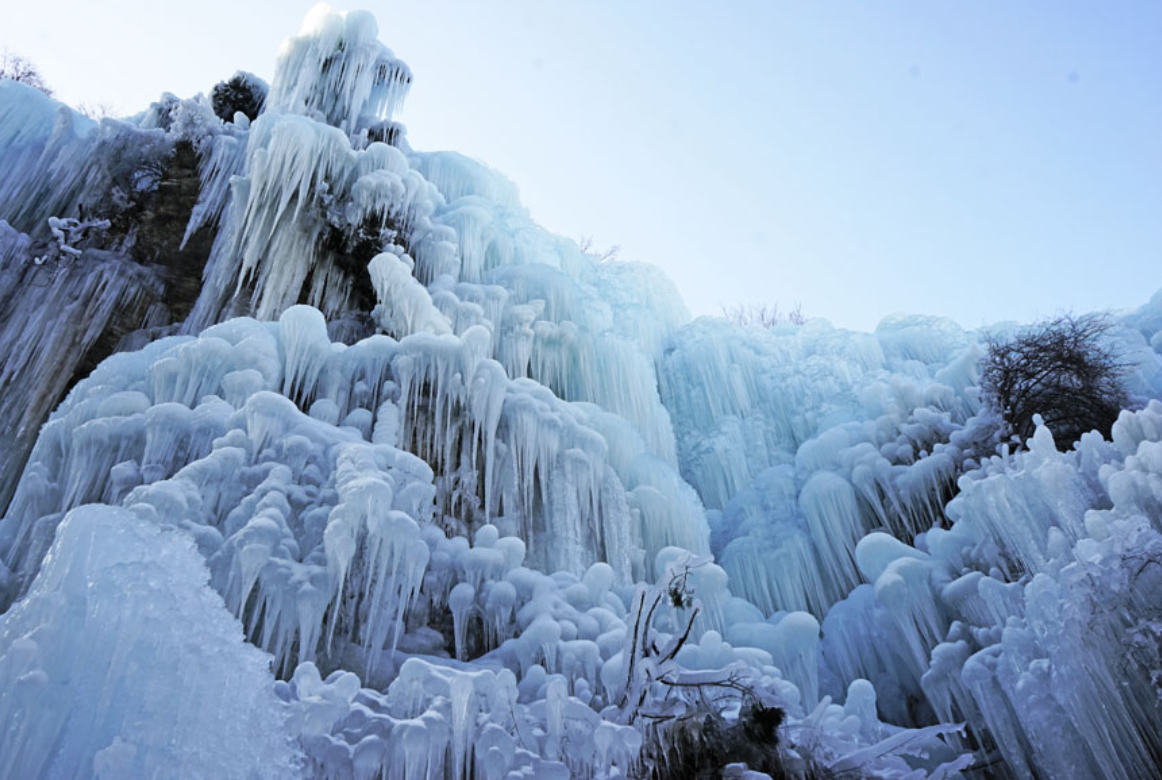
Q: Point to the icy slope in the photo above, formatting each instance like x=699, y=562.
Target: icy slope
x=121, y=662
x=493, y=508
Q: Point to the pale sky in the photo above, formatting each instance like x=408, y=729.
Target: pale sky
x=982, y=160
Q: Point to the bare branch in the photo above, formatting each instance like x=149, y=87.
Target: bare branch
x=764, y=315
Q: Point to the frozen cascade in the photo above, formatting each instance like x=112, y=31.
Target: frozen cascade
x=494, y=507
x=159, y=415
x=222, y=161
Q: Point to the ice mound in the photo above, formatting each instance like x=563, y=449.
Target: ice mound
x=122, y=663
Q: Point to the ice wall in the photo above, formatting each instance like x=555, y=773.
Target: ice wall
x=323, y=539
x=981, y=609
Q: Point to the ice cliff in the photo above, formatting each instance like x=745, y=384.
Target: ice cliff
x=319, y=458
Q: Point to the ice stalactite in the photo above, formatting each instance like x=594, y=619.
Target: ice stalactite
x=406, y=305
x=223, y=159
x=834, y=521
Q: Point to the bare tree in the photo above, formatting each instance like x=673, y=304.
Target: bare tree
x=587, y=247
x=17, y=68
x=1063, y=369
x=765, y=315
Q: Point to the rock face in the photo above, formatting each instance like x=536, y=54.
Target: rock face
x=159, y=236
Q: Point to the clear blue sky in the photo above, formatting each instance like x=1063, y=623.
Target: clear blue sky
x=984, y=160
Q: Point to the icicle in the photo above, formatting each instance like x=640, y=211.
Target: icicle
x=336, y=68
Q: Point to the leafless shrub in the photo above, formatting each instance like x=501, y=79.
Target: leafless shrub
x=1063, y=369
x=587, y=247
x=765, y=315
x=17, y=68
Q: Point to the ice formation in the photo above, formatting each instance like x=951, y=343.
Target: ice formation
x=124, y=661
x=353, y=471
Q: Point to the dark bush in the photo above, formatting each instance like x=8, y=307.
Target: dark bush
x=243, y=92
x=697, y=748
x=1063, y=369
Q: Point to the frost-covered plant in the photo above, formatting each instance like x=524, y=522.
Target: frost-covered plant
x=97, y=110
x=67, y=232
x=133, y=173
x=193, y=121
x=683, y=712
x=587, y=247
x=704, y=747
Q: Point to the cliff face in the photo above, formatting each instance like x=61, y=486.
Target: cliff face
x=61, y=316
x=159, y=237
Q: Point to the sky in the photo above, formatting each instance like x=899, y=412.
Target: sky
x=987, y=160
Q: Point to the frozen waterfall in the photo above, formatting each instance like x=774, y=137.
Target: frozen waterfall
x=319, y=458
